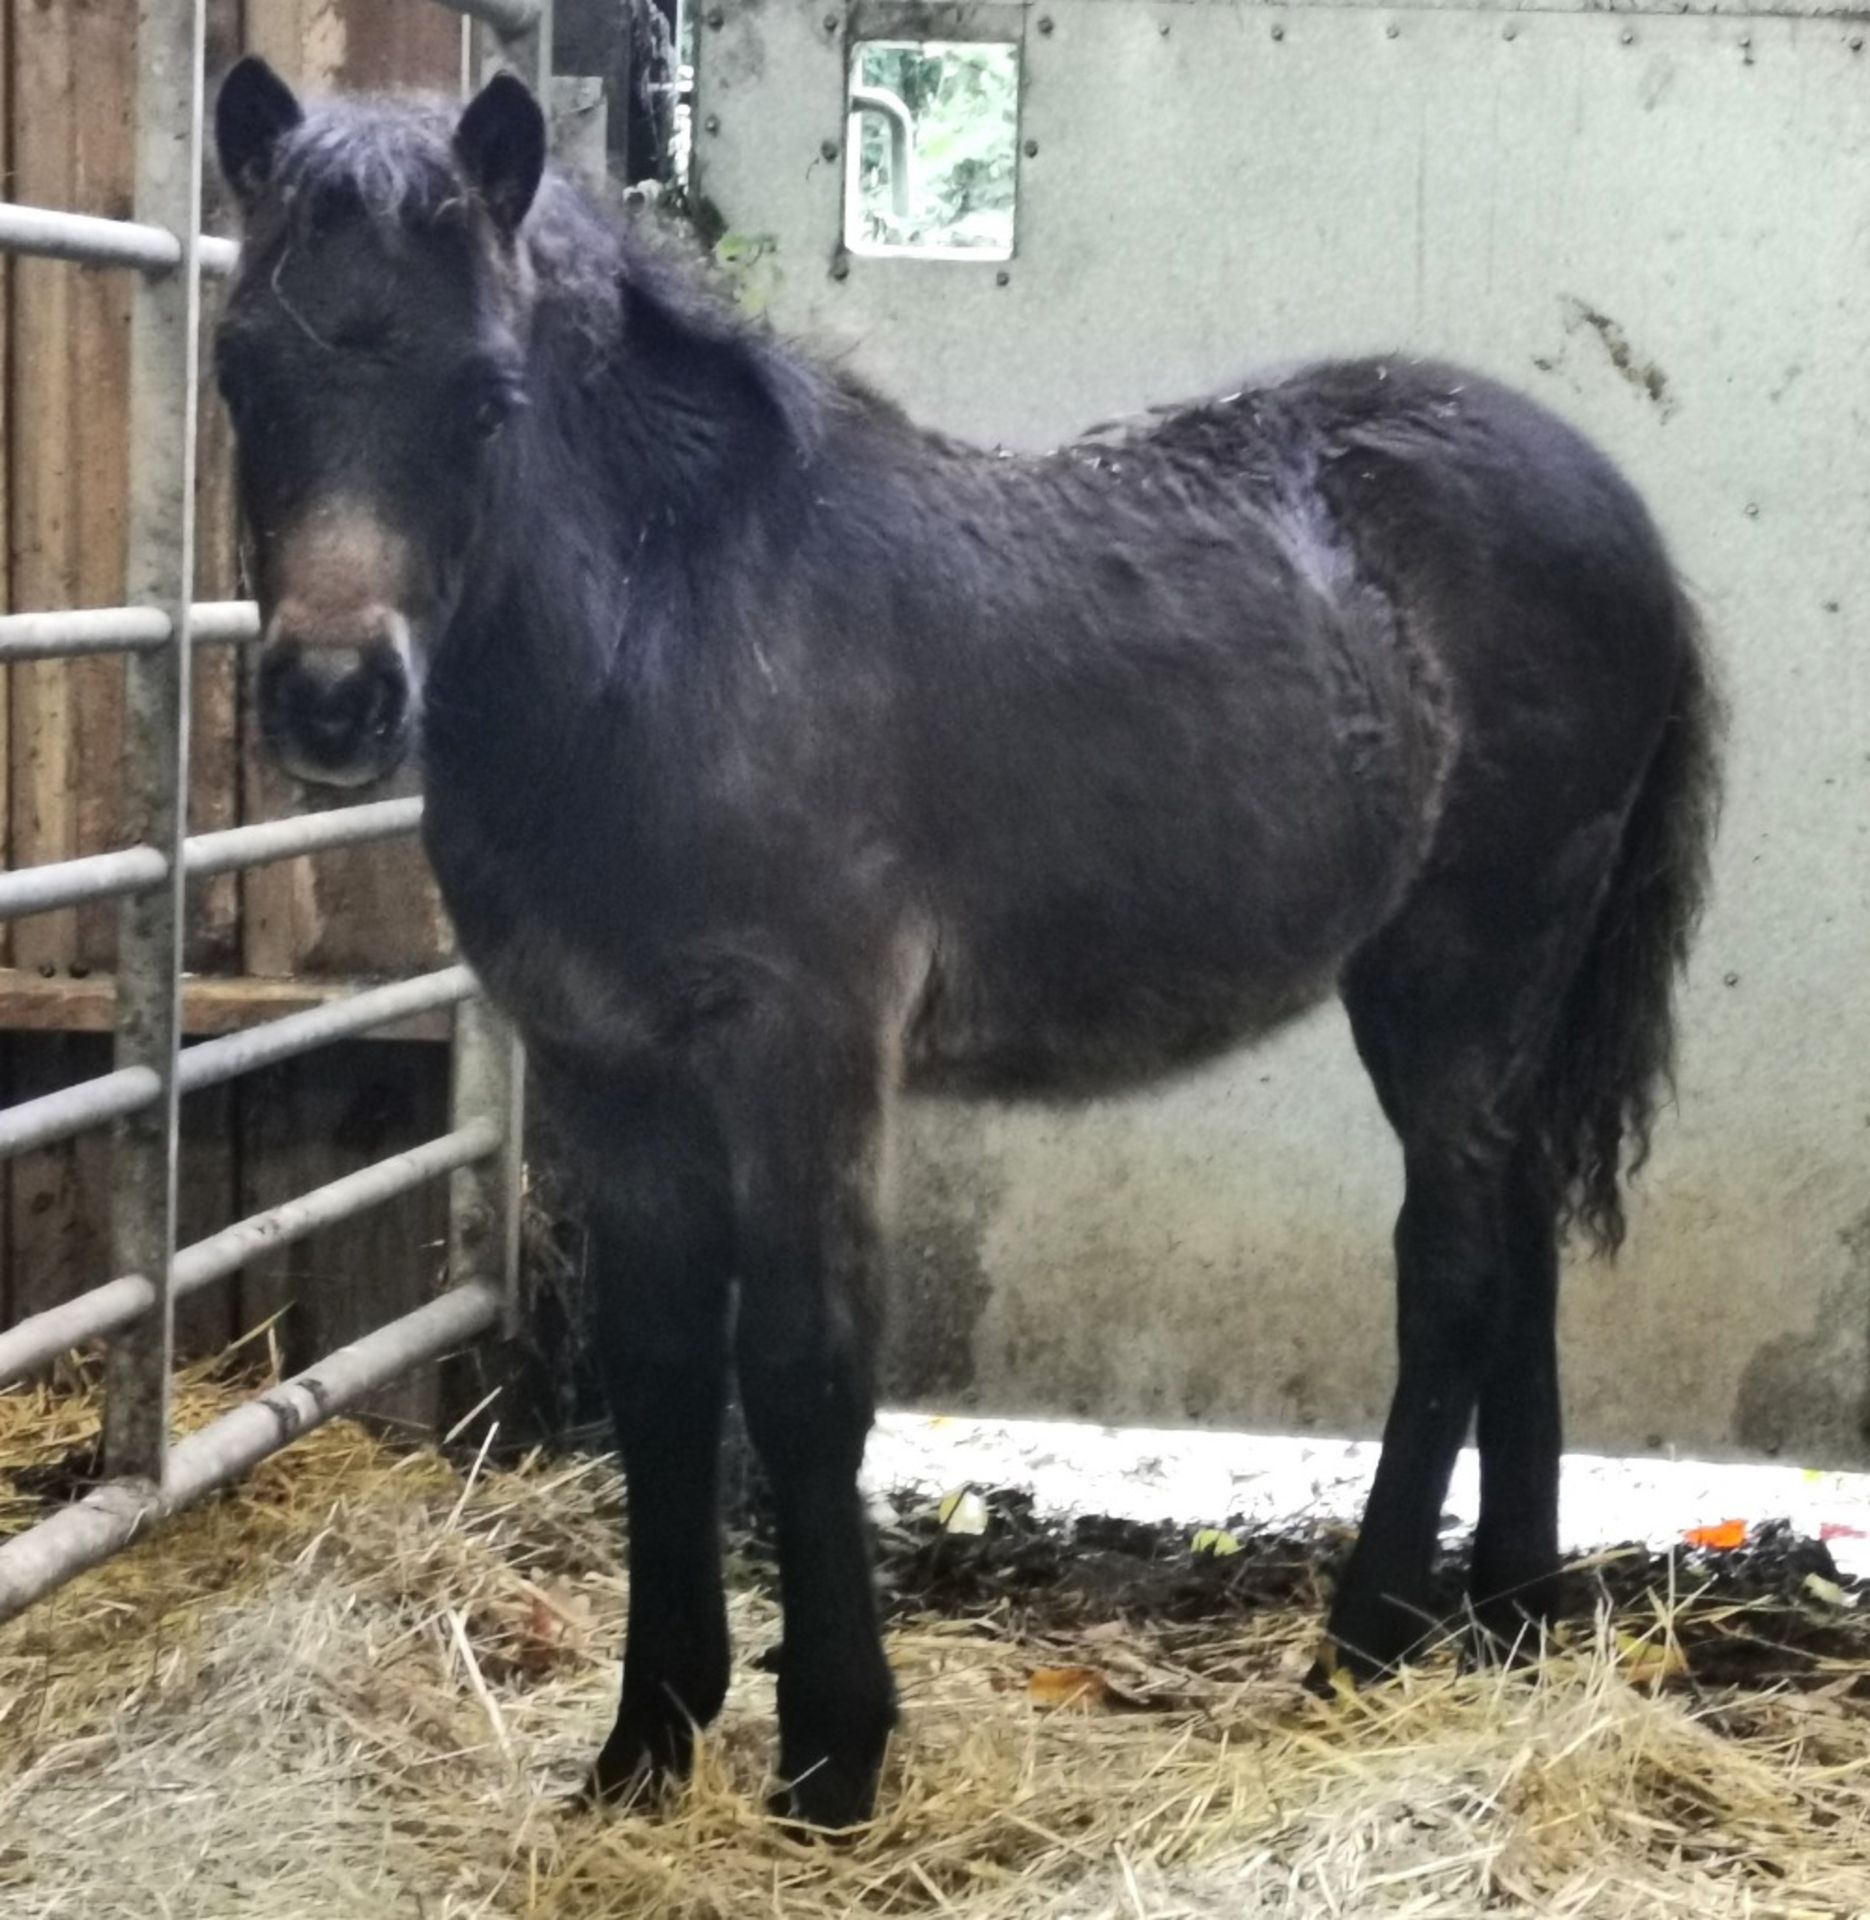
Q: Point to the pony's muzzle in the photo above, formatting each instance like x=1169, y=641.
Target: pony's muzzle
x=336, y=710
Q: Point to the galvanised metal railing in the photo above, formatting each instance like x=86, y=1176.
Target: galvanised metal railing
x=151, y=1475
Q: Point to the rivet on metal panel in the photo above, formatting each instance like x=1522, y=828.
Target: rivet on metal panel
x=1279, y=32
x=832, y=23
x=828, y=149
x=1857, y=43
x=1510, y=31
x=840, y=266
x=1628, y=36
x=1003, y=278
x=1164, y=29
x=1391, y=31
x=716, y=19
x=1045, y=23
x=1031, y=149
x=1753, y=509
x=712, y=124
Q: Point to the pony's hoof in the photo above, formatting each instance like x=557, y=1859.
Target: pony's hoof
x=1341, y=1671
x=640, y=1770
x=647, y=1790
x=1507, y=1637
x=830, y=1802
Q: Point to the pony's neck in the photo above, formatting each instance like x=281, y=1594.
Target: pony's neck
x=660, y=432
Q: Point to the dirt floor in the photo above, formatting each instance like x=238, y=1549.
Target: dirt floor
x=365, y=1685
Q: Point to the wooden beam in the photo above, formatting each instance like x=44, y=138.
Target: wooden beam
x=34, y=1003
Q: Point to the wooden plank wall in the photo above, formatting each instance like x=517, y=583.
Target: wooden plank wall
x=67, y=68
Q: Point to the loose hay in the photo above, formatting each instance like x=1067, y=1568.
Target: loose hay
x=365, y=1683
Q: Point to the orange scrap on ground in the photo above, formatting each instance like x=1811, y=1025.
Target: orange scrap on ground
x=1723, y=1537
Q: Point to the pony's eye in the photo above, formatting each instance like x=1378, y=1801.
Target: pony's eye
x=491, y=412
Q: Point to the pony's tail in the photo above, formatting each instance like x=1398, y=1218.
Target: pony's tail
x=1614, y=1050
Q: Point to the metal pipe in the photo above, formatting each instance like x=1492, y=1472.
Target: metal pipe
x=70, y=883
x=159, y=572
x=223, y=622
x=81, y=630
x=487, y=1088
x=48, y=636
x=39, y=1340
x=131, y=870
x=44, y=1557
x=509, y=17
x=236, y=847
x=515, y=37
x=57, y=1116
x=50, y=233
x=210, y=1062
x=227, y=1251
x=892, y=108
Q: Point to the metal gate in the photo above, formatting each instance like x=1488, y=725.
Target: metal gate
x=150, y=1474
x=1654, y=216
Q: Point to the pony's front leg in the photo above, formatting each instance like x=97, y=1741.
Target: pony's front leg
x=662, y=1252
x=806, y=1140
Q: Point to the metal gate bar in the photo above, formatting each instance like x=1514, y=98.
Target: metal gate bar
x=51, y=636
x=53, y=234
x=132, y=870
x=92, y=1529
x=34, y=1343
x=479, y=1155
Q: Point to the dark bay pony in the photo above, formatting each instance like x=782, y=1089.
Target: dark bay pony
x=781, y=756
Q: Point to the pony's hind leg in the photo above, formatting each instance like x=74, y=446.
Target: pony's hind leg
x=1513, y=1584
x=661, y=1255
x=1455, y=1046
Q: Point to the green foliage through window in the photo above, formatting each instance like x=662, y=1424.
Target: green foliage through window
x=962, y=104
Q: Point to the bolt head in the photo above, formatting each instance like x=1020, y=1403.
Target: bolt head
x=1031, y=149
x=716, y=19
x=1279, y=32
x=1045, y=23
x=828, y=149
x=1002, y=278
x=712, y=124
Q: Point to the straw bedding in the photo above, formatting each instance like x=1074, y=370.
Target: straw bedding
x=364, y=1685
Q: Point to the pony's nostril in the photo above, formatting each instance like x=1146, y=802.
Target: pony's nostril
x=385, y=696
x=336, y=703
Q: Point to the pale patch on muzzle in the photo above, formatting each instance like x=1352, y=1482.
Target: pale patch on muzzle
x=337, y=661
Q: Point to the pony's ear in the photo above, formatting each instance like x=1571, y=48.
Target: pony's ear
x=501, y=146
x=253, y=110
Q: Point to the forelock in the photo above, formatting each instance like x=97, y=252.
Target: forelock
x=392, y=160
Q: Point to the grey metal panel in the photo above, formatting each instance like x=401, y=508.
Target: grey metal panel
x=1658, y=224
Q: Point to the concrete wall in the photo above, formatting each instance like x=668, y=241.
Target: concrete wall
x=1660, y=224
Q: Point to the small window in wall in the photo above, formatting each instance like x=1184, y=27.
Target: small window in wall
x=932, y=149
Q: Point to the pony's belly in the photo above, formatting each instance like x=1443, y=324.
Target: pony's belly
x=1015, y=1043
